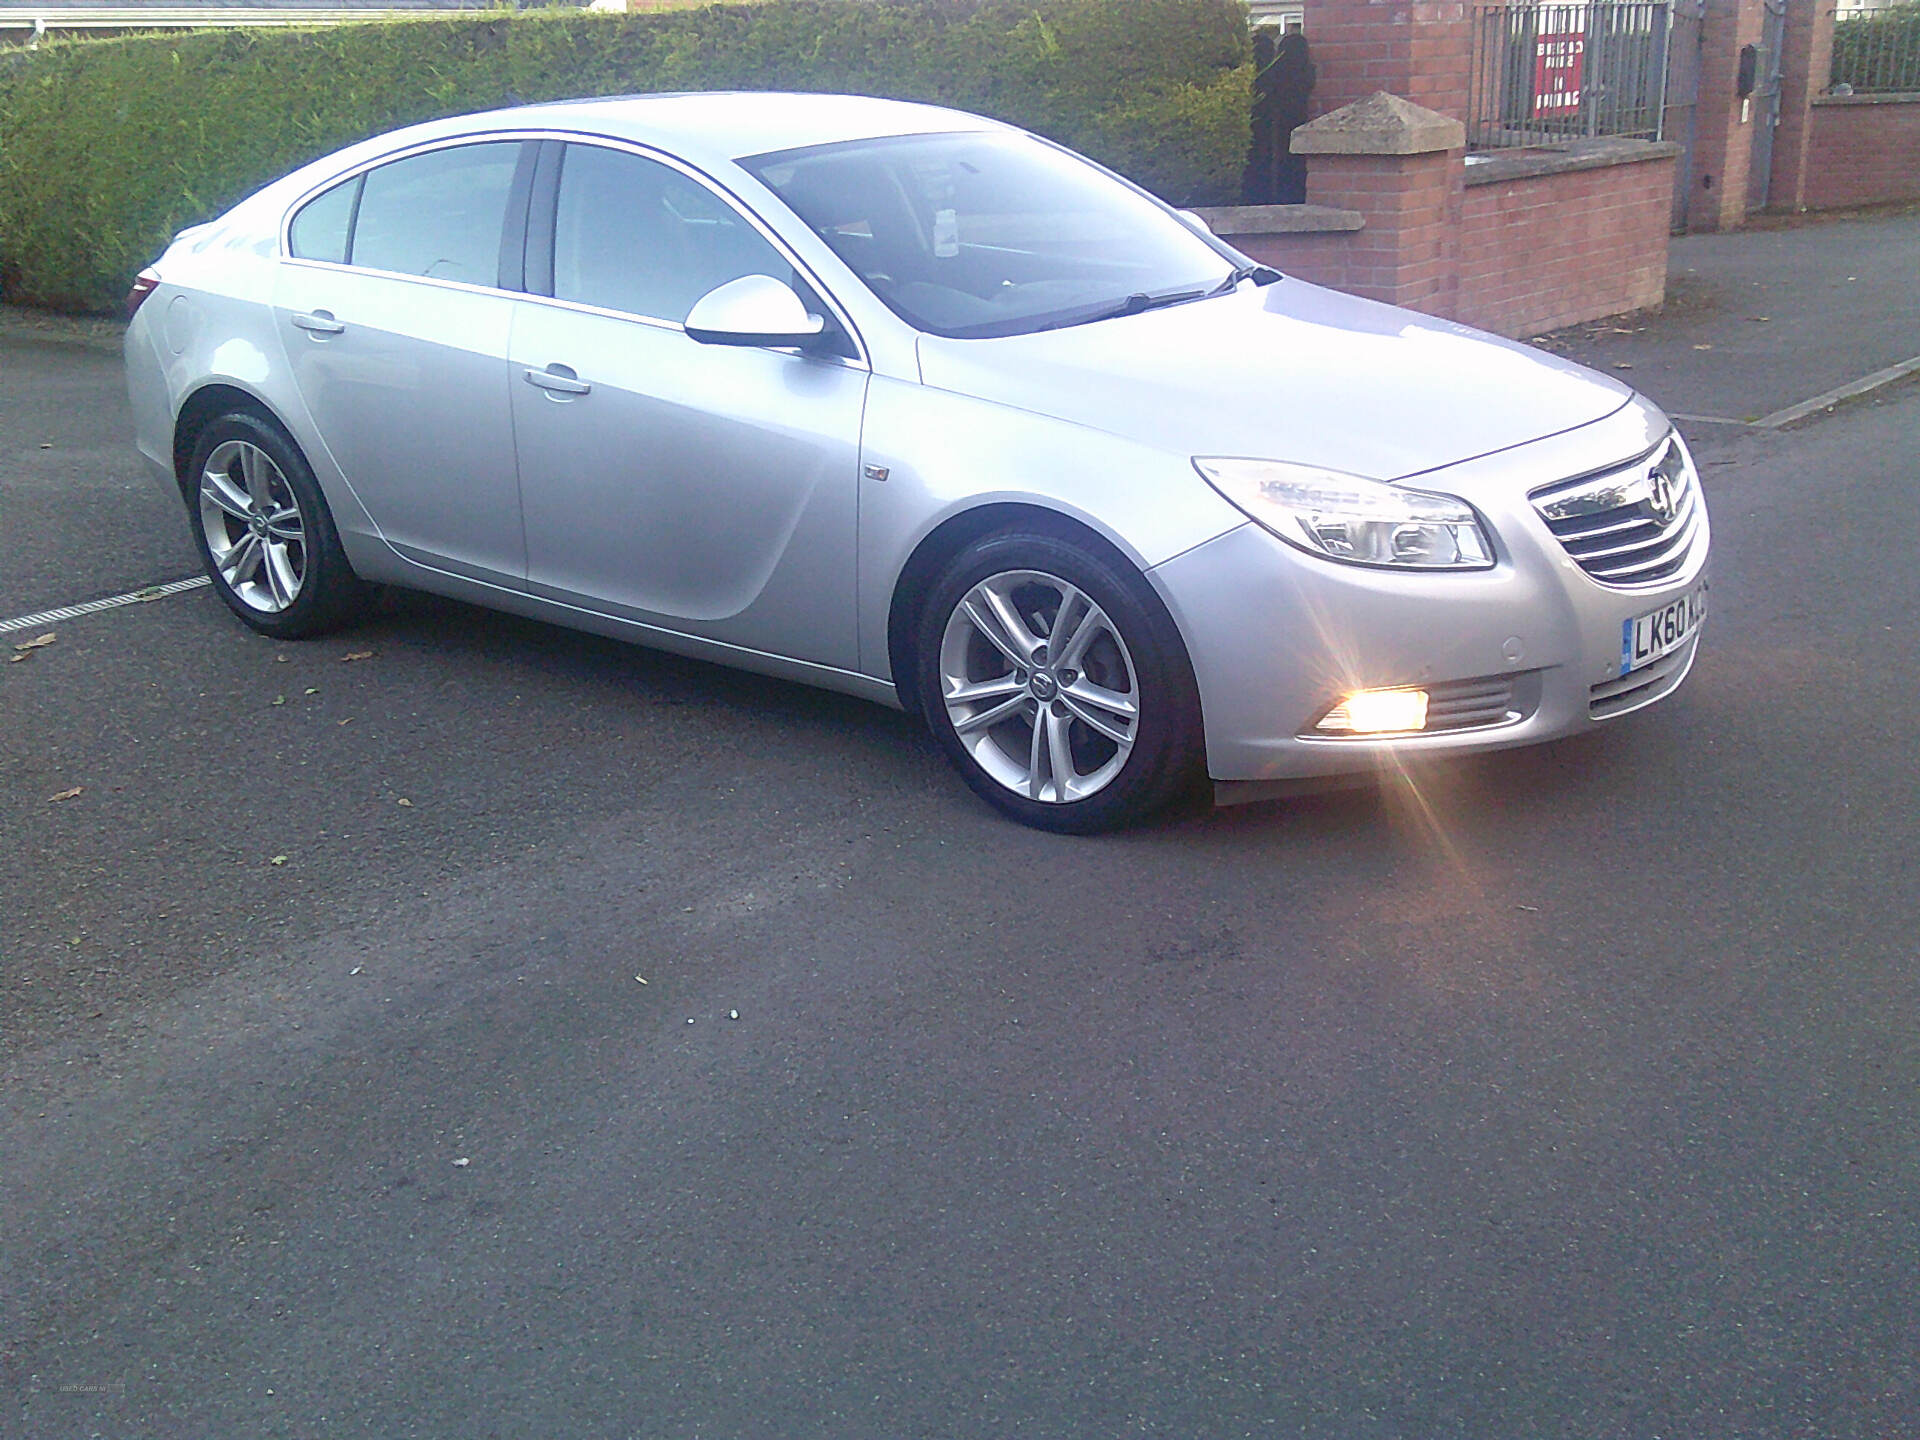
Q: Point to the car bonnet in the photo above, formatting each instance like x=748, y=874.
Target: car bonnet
x=1287, y=371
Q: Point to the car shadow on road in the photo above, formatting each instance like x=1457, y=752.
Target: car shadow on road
x=1567, y=778
x=649, y=676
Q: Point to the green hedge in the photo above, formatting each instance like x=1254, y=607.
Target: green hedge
x=107, y=147
x=1877, y=52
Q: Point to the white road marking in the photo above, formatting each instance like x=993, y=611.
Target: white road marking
x=112, y=602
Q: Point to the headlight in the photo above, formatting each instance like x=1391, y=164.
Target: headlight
x=1344, y=517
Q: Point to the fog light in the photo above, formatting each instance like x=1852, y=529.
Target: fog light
x=1377, y=712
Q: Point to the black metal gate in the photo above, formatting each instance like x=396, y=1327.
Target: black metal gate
x=1544, y=73
x=1683, y=96
x=1765, y=104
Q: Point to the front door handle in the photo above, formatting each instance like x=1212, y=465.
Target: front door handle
x=558, y=380
x=320, y=322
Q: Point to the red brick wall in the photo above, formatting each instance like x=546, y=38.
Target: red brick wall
x=1806, y=62
x=1420, y=50
x=1861, y=151
x=1723, y=141
x=1407, y=251
x=1520, y=256
x=1550, y=250
x=1319, y=256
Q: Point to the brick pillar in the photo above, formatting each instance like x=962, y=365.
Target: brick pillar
x=1806, y=62
x=1723, y=134
x=1422, y=51
x=1403, y=167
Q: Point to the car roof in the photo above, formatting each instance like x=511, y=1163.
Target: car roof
x=709, y=130
x=729, y=125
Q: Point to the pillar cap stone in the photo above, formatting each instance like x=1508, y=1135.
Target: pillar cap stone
x=1381, y=124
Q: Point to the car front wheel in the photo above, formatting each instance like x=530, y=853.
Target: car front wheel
x=1057, y=684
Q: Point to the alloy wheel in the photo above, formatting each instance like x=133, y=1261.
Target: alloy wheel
x=255, y=532
x=1039, y=686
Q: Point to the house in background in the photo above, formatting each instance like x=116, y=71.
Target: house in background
x=1286, y=16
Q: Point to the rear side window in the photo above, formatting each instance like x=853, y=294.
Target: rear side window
x=637, y=236
x=439, y=214
x=319, y=231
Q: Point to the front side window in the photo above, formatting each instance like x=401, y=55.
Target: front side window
x=639, y=237
x=439, y=214
x=994, y=233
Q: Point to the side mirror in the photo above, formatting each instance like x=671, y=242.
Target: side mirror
x=753, y=310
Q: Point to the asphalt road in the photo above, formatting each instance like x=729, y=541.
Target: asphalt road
x=1569, y=1093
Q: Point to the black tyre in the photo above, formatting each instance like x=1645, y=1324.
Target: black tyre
x=1057, y=684
x=264, y=531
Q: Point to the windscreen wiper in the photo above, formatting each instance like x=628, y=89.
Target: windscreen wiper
x=1140, y=301
x=1136, y=303
x=1253, y=270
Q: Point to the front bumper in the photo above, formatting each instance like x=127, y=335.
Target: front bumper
x=1527, y=651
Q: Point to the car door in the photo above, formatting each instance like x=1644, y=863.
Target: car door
x=389, y=305
x=707, y=489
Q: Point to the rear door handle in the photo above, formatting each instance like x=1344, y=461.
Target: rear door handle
x=559, y=379
x=320, y=322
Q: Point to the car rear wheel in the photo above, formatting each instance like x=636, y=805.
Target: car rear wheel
x=1057, y=684
x=264, y=531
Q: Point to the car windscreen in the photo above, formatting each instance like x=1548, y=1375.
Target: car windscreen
x=992, y=233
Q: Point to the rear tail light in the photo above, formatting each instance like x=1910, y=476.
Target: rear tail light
x=143, y=286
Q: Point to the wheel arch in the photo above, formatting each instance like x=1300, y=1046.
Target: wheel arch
x=201, y=408
x=953, y=535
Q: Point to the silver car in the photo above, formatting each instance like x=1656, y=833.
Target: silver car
x=918, y=406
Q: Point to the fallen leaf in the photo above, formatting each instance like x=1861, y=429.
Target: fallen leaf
x=16, y=659
x=1623, y=364
x=65, y=794
x=1530, y=909
x=463, y=1162
x=46, y=639
x=407, y=803
x=312, y=690
x=278, y=700
x=354, y=655
x=1703, y=347
x=356, y=970
x=641, y=978
x=278, y=860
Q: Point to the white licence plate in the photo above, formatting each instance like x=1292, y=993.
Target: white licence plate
x=1645, y=638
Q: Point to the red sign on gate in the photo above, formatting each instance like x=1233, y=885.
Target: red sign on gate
x=1559, y=61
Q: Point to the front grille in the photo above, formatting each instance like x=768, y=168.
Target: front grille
x=1642, y=687
x=1630, y=526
